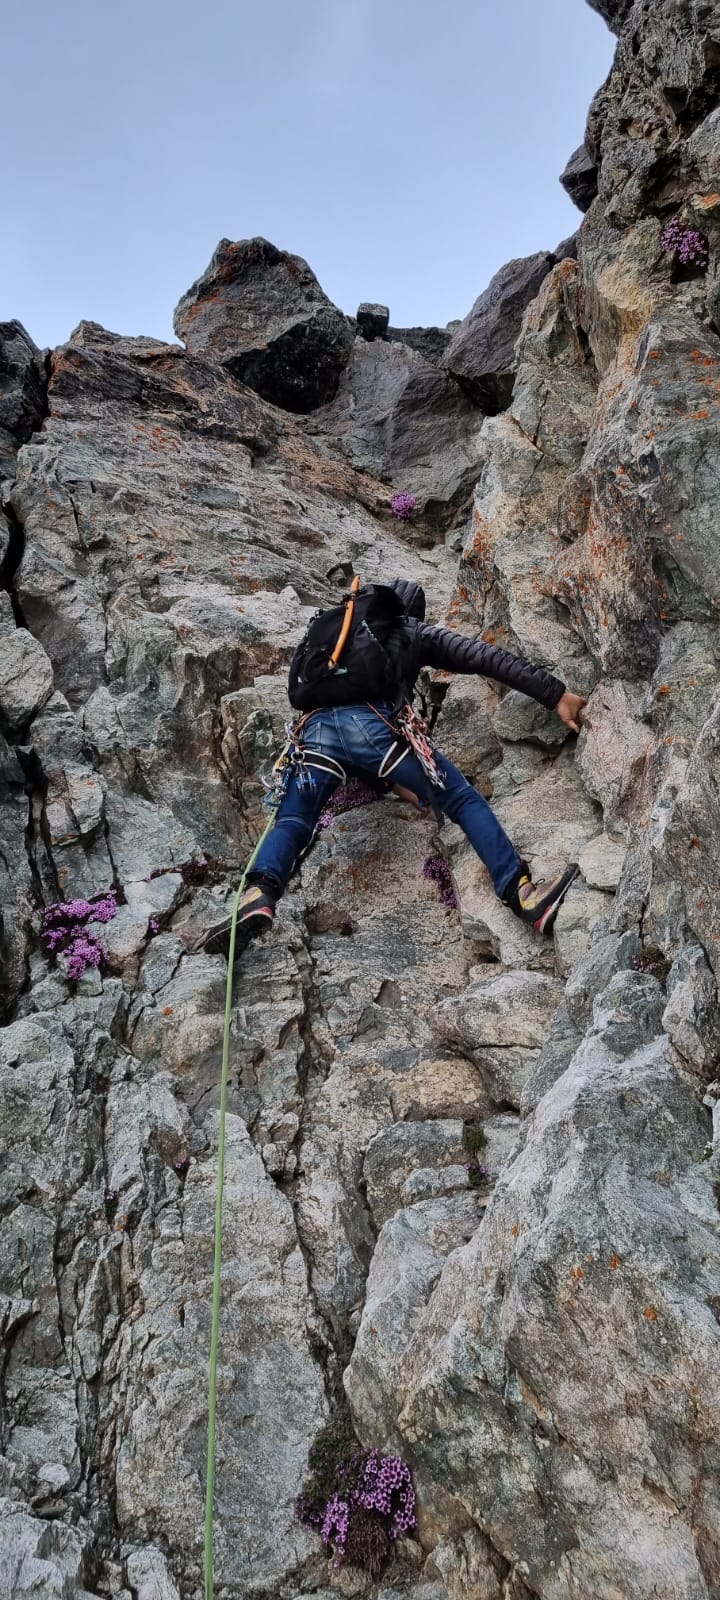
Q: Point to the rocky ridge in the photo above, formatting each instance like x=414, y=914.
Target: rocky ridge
x=543, y=1349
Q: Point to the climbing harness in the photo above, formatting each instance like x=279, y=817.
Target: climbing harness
x=295, y=758
x=217, y=1264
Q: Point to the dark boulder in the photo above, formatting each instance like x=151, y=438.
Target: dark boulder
x=372, y=320
x=580, y=178
x=261, y=313
x=481, y=354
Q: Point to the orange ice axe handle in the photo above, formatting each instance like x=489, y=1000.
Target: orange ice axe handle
x=347, y=623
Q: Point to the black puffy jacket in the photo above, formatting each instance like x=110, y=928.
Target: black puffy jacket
x=415, y=644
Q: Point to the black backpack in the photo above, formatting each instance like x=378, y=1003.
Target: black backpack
x=364, y=669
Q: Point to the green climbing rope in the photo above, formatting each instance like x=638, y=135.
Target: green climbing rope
x=217, y=1266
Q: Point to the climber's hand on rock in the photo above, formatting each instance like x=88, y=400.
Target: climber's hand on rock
x=569, y=709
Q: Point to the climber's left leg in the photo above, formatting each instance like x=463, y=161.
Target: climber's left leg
x=307, y=793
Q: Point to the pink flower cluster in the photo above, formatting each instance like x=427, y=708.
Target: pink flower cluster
x=336, y=1526
x=63, y=931
x=85, y=951
x=402, y=506
x=386, y=1486
x=437, y=870
x=346, y=798
x=379, y=1485
x=688, y=244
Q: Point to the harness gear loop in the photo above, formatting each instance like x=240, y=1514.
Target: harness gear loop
x=408, y=727
x=347, y=623
x=217, y=1263
x=319, y=762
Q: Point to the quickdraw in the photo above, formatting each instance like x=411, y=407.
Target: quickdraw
x=276, y=785
x=295, y=758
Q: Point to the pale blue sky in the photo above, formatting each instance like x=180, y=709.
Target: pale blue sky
x=406, y=148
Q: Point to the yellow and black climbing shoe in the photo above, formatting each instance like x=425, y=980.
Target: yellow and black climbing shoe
x=538, y=903
x=255, y=915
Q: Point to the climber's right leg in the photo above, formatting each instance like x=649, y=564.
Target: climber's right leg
x=536, y=904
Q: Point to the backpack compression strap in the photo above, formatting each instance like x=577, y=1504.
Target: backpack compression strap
x=347, y=623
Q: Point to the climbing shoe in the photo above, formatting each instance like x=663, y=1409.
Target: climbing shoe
x=255, y=915
x=538, y=903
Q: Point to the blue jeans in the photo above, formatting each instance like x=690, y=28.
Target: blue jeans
x=356, y=737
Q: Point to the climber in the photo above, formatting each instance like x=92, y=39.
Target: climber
x=353, y=677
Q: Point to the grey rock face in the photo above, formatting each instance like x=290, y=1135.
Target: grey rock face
x=543, y=1350
x=691, y=1018
x=406, y=1265
x=40, y=1560
x=401, y=419
x=501, y=1024
x=609, y=954
x=527, y=455
x=466, y=732
x=482, y=1382
x=262, y=314
x=147, y=1572
x=518, y=718
x=602, y=861
x=430, y=343
x=580, y=913
x=481, y=354
x=26, y=678
x=396, y=1153
x=614, y=11
x=626, y=597
x=16, y=881
x=689, y=839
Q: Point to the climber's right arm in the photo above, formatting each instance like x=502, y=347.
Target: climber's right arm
x=454, y=652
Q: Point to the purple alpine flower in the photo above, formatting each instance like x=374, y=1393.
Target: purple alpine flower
x=387, y=1487
x=402, y=506
x=672, y=235
x=105, y=909
x=62, y=926
x=693, y=250
x=84, y=951
x=437, y=870
x=349, y=1497
x=336, y=1523
x=688, y=244
x=346, y=798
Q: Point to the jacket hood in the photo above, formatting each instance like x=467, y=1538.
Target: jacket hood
x=412, y=596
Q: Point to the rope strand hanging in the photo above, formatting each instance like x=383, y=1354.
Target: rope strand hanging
x=217, y=1263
